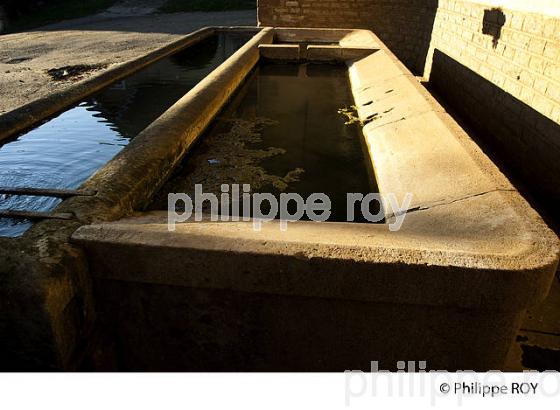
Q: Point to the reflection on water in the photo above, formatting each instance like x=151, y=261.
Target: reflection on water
x=282, y=132
x=66, y=150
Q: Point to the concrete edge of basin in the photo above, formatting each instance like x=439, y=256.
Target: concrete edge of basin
x=337, y=52
x=313, y=53
x=333, y=260
x=420, y=143
x=343, y=37
x=498, y=233
x=128, y=181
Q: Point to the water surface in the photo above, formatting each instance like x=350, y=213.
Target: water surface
x=66, y=150
x=282, y=133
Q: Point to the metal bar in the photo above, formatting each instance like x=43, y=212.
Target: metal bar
x=56, y=193
x=35, y=215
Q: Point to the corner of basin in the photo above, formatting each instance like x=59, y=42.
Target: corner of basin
x=496, y=230
x=360, y=38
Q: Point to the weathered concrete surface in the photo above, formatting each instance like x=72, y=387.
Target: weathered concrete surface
x=359, y=261
x=46, y=303
x=412, y=141
x=302, y=271
x=470, y=247
x=110, y=41
x=172, y=328
x=421, y=152
x=324, y=53
x=292, y=52
x=325, y=44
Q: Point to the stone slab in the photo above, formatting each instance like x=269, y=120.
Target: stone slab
x=287, y=52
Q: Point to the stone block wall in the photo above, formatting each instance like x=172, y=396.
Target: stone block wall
x=500, y=70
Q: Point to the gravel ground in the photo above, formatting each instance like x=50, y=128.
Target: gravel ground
x=100, y=39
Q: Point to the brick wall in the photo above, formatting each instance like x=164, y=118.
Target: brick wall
x=500, y=69
x=404, y=25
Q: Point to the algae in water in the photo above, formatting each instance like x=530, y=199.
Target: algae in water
x=228, y=158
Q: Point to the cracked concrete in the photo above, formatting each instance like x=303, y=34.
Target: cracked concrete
x=446, y=202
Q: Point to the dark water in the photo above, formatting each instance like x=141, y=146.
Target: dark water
x=283, y=133
x=66, y=150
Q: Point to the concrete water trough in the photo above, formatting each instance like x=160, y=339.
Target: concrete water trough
x=450, y=287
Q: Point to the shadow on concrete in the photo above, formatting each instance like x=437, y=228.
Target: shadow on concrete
x=494, y=20
x=540, y=359
x=407, y=33
x=520, y=140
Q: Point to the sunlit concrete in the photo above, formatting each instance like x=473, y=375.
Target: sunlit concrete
x=470, y=246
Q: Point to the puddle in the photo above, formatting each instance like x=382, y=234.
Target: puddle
x=73, y=72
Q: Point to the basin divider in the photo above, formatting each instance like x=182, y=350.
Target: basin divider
x=127, y=182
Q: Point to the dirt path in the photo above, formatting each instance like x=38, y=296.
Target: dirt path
x=101, y=40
